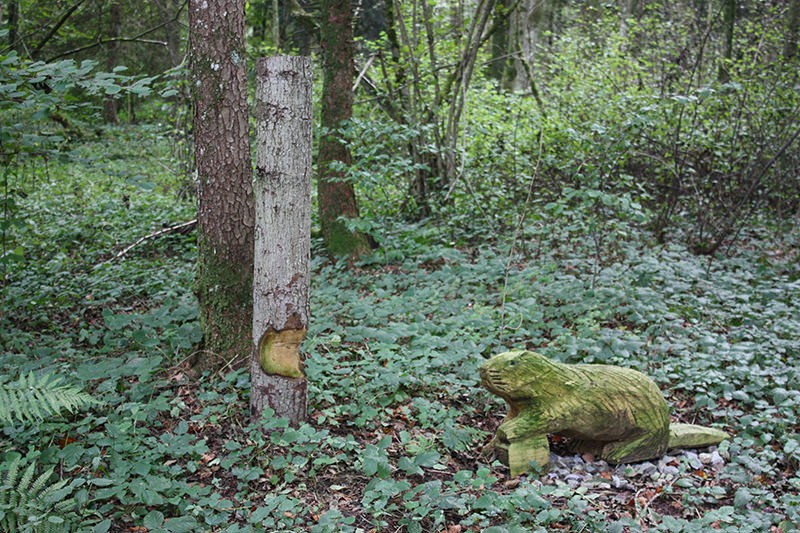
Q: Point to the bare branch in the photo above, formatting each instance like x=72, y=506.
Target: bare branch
x=50, y=34
x=181, y=228
x=136, y=38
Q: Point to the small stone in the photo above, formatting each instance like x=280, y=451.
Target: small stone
x=717, y=462
x=561, y=462
x=705, y=458
x=647, y=469
x=620, y=483
x=668, y=460
x=671, y=471
x=573, y=480
x=693, y=460
x=724, y=452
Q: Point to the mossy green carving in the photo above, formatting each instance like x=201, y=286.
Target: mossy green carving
x=615, y=413
x=279, y=353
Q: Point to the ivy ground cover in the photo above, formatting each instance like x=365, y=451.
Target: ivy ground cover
x=397, y=418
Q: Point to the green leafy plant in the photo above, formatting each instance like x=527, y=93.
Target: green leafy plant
x=34, y=397
x=33, y=503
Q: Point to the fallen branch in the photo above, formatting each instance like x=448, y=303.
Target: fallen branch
x=183, y=227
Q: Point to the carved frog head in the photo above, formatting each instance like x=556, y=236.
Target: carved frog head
x=518, y=375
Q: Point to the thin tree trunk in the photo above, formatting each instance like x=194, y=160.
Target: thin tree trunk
x=276, y=25
x=792, y=29
x=337, y=198
x=628, y=10
x=530, y=22
x=115, y=30
x=13, y=24
x=729, y=23
x=172, y=31
x=283, y=236
x=500, y=41
x=222, y=158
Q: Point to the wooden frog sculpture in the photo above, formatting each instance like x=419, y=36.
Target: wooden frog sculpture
x=615, y=413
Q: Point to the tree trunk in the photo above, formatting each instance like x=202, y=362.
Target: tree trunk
x=222, y=158
x=114, y=32
x=337, y=198
x=172, y=31
x=276, y=25
x=282, y=237
x=629, y=9
x=13, y=24
x=372, y=20
x=499, y=63
x=529, y=22
x=792, y=30
x=729, y=23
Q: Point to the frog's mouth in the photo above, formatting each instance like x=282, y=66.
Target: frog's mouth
x=493, y=380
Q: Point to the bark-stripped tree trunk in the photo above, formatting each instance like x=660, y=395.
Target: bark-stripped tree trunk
x=222, y=158
x=337, y=198
x=282, y=237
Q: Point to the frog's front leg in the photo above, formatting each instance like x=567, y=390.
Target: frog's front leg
x=520, y=441
x=519, y=454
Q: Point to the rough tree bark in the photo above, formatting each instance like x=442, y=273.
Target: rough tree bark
x=222, y=158
x=337, y=198
x=282, y=236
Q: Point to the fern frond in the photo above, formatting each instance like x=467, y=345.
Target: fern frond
x=41, y=483
x=33, y=397
x=9, y=497
x=25, y=480
x=29, y=504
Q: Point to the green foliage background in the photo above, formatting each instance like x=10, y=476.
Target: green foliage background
x=584, y=227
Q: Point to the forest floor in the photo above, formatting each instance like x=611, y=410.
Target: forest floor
x=397, y=416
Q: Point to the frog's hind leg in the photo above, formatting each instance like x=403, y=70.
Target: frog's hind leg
x=638, y=448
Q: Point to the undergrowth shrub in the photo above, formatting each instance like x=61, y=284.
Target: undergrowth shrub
x=637, y=121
